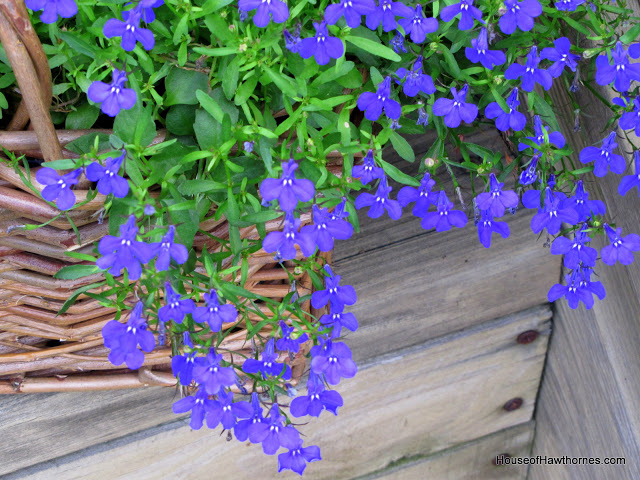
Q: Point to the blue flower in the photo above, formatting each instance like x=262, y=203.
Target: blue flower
x=107, y=177
x=568, y=5
x=322, y=46
x=631, y=120
x=123, y=339
x=530, y=72
x=287, y=189
x=214, y=313
x=129, y=30
x=58, y=188
x=553, y=214
x=351, y=9
x=287, y=343
x=273, y=434
x=168, y=249
x=318, y=398
x=373, y=103
x=338, y=296
x=604, y=158
x=284, y=243
x=586, y=208
x=337, y=320
x=561, y=55
x=575, y=251
x=555, y=138
x=528, y=176
x=520, y=14
x=496, y=200
x=467, y=14
x=291, y=43
x=124, y=251
x=621, y=72
x=487, y=226
x=379, y=202
x=268, y=366
x=325, y=229
x=397, y=43
x=114, y=96
x=630, y=181
x=414, y=80
x=209, y=372
x=512, y=119
x=423, y=117
x=176, y=308
x=480, y=53
x=444, y=218
x=147, y=6
x=579, y=288
x=149, y=209
x=334, y=361
x=386, y=13
x=621, y=249
x=535, y=198
x=367, y=172
x=456, y=110
x=418, y=26
x=296, y=458
x=241, y=429
x=182, y=365
x=267, y=9
x=52, y=8
x=423, y=196
x=199, y=404
x=225, y=411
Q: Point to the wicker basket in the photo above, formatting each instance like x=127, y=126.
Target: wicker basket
x=41, y=351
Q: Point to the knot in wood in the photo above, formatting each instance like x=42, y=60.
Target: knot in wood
x=513, y=404
x=527, y=337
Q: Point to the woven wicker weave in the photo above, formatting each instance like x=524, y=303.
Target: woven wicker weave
x=41, y=351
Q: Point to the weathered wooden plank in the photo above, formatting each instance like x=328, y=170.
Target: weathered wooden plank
x=421, y=400
x=474, y=460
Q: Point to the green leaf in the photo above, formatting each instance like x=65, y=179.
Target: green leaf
x=286, y=84
x=210, y=105
x=631, y=35
x=60, y=164
x=191, y=187
x=182, y=86
x=79, y=45
x=397, y=175
x=73, y=272
x=82, y=118
x=136, y=125
x=374, y=48
x=245, y=90
x=180, y=119
x=216, y=52
x=261, y=217
x=402, y=147
x=71, y=300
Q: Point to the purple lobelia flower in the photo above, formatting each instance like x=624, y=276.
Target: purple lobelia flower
x=182, y=365
x=291, y=42
x=123, y=339
x=267, y=10
x=114, y=96
x=479, y=52
x=561, y=56
x=495, y=199
x=284, y=243
x=130, y=30
x=630, y=181
x=586, y=208
x=340, y=211
x=535, y=198
x=418, y=26
x=325, y=229
x=338, y=296
x=386, y=13
x=529, y=175
x=214, y=313
x=287, y=189
x=423, y=196
x=175, y=309
x=334, y=361
x=273, y=434
x=511, y=119
x=621, y=72
x=519, y=14
x=338, y=320
x=423, y=117
x=225, y=411
x=568, y=5
x=147, y=6
x=367, y=172
x=351, y=9
x=107, y=177
x=58, y=188
x=209, y=372
x=124, y=251
x=268, y=366
x=414, y=80
x=373, y=103
x=467, y=14
x=318, y=398
x=555, y=138
x=553, y=214
x=379, y=202
x=444, y=218
x=456, y=110
x=52, y=8
x=621, y=249
x=397, y=43
x=199, y=404
x=631, y=120
x=575, y=251
x=296, y=458
x=149, y=209
x=241, y=429
x=579, y=288
x=530, y=72
x=604, y=158
x=322, y=46
x=168, y=249
x=487, y=226
x=287, y=342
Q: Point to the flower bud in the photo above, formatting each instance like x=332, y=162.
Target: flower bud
x=232, y=28
x=429, y=162
x=433, y=46
x=498, y=80
x=590, y=52
x=502, y=10
x=242, y=47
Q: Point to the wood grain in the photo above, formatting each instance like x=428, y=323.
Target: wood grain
x=418, y=401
